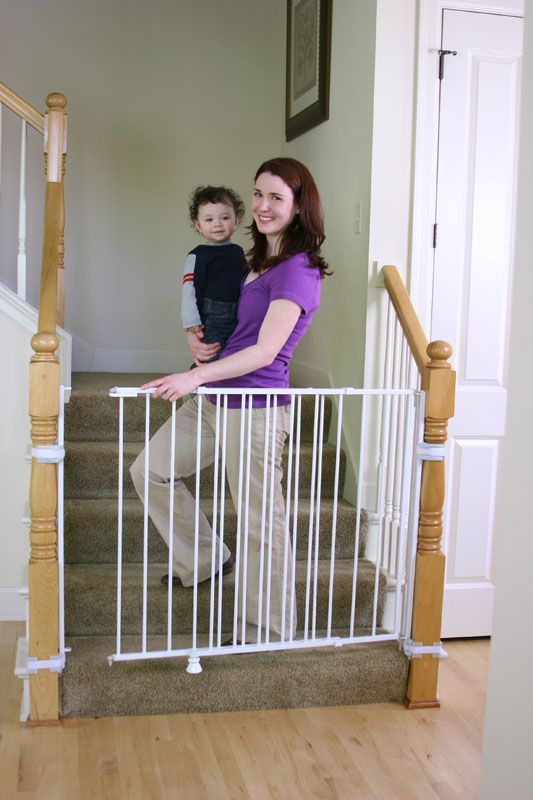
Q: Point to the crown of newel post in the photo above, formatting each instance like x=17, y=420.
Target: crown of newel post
x=438, y=381
x=55, y=136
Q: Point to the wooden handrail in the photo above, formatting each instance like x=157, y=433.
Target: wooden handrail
x=407, y=316
x=43, y=576
x=22, y=108
x=438, y=382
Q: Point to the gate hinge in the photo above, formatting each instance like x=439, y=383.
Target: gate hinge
x=430, y=452
x=54, y=664
x=417, y=649
x=48, y=453
x=443, y=53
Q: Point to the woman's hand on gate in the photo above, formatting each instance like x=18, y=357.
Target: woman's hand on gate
x=171, y=387
x=201, y=352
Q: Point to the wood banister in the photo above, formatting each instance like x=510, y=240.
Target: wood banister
x=21, y=108
x=407, y=316
x=43, y=576
x=438, y=381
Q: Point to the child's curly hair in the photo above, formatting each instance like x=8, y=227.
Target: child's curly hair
x=215, y=194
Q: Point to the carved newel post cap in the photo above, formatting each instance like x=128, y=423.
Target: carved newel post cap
x=56, y=101
x=44, y=342
x=439, y=352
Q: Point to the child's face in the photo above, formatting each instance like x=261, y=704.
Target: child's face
x=216, y=222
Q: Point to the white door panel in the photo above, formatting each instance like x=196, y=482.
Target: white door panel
x=471, y=290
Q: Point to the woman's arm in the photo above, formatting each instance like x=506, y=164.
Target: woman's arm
x=278, y=324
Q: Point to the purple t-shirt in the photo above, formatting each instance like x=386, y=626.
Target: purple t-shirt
x=292, y=279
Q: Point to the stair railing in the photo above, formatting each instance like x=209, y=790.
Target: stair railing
x=44, y=657
x=437, y=380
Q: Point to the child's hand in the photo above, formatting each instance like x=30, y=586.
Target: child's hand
x=201, y=352
x=198, y=330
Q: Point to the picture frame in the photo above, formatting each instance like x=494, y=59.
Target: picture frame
x=308, y=65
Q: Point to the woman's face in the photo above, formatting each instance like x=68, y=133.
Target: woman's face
x=273, y=207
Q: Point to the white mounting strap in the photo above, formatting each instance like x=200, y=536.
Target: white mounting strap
x=48, y=453
x=430, y=452
x=417, y=649
x=54, y=664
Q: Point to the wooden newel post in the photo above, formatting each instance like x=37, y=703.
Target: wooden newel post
x=438, y=381
x=43, y=408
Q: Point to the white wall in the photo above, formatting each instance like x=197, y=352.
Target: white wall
x=507, y=762
x=338, y=153
x=162, y=96
x=18, y=323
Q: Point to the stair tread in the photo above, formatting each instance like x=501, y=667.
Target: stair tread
x=362, y=673
x=132, y=573
x=132, y=504
x=134, y=448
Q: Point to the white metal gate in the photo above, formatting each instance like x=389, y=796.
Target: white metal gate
x=401, y=416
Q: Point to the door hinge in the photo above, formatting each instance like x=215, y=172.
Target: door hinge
x=435, y=226
x=443, y=53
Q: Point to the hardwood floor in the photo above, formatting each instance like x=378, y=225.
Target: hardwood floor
x=376, y=751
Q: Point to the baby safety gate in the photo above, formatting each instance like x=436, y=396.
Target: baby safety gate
x=322, y=602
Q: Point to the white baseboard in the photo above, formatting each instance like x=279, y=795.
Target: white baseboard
x=89, y=359
x=12, y=606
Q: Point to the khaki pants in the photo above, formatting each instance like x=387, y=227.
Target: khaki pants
x=261, y=535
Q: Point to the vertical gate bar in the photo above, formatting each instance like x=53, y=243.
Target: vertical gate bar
x=271, y=514
x=404, y=503
x=171, y=525
x=119, y=519
x=246, y=518
x=263, y=521
x=414, y=508
x=197, y=522
x=358, y=511
x=287, y=522
x=317, y=515
x=386, y=423
x=21, y=252
x=222, y=513
x=387, y=379
x=334, y=520
x=214, y=526
x=61, y=520
x=145, y=517
x=295, y=516
x=311, y=522
x=239, y=518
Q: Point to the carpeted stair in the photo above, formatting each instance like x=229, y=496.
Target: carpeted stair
x=324, y=676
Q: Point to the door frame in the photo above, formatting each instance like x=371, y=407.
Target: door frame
x=429, y=36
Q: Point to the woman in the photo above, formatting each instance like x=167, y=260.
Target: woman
x=279, y=295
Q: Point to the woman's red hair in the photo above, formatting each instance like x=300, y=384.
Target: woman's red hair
x=306, y=232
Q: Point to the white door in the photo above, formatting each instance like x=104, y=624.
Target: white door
x=471, y=291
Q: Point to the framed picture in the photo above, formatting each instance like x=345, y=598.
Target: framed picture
x=308, y=61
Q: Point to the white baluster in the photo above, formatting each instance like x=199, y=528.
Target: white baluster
x=21, y=252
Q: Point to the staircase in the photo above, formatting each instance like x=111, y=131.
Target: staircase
x=364, y=673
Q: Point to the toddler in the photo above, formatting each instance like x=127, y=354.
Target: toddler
x=213, y=271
